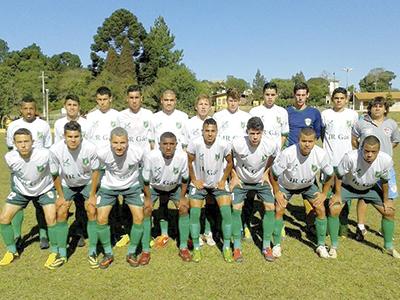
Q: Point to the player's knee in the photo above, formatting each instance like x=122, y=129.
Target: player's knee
x=279, y=211
x=102, y=220
x=4, y=219
x=269, y=206
x=50, y=219
x=334, y=210
x=183, y=209
x=320, y=211
x=389, y=214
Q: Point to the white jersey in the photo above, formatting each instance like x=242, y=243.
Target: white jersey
x=59, y=128
x=74, y=166
x=165, y=174
x=275, y=120
x=296, y=171
x=121, y=172
x=337, y=137
x=359, y=174
x=174, y=123
x=231, y=125
x=139, y=127
x=209, y=160
x=250, y=162
x=100, y=126
x=30, y=177
x=194, y=128
x=39, y=128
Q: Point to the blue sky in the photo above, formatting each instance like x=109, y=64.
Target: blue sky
x=222, y=38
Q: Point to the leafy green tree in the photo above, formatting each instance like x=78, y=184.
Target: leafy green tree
x=285, y=91
x=319, y=89
x=63, y=61
x=126, y=65
x=298, y=77
x=377, y=80
x=237, y=83
x=111, y=64
x=258, y=85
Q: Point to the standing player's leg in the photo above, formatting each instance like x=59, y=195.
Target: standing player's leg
x=145, y=256
x=195, y=209
x=268, y=227
x=16, y=223
x=335, y=209
x=7, y=232
x=321, y=222
x=49, y=210
x=183, y=225
x=103, y=228
x=224, y=202
x=41, y=220
x=92, y=234
x=239, y=194
x=135, y=234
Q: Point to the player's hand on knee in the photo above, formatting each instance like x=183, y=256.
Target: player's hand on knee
x=319, y=199
x=388, y=207
x=60, y=202
x=281, y=199
x=335, y=200
x=234, y=183
x=198, y=184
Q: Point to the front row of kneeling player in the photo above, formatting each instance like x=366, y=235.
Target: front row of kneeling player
x=73, y=166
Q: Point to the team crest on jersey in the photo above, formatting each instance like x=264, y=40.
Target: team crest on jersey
x=40, y=135
x=157, y=170
x=201, y=156
x=387, y=131
x=176, y=170
x=113, y=124
x=145, y=124
x=314, y=168
x=278, y=120
x=349, y=123
x=307, y=121
x=127, y=125
x=85, y=161
x=243, y=124
x=378, y=174
x=66, y=162
x=358, y=172
x=130, y=167
x=196, y=132
x=217, y=156
x=225, y=125
x=264, y=158
x=178, y=125
x=40, y=169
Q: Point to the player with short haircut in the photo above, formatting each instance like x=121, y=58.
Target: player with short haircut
x=274, y=117
x=206, y=156
x=121, y=178
x=294, y=171
x=359, y=173
x=72, y=107
x=74, y=167
x=386, y=129
x=231, y=120
x=253, y=156
x=165, y=176
x=30, y=181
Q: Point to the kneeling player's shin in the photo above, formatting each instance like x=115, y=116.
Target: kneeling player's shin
x=146, y=234
x=321, y=225
x=333, y=228
x=388, y=229
x=8, y=237
x=62, y=236
x=92, y=236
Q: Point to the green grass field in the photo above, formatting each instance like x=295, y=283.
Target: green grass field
x=361, y=270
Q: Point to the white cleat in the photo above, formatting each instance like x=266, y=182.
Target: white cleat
x=322, y=252
x=333, y=253
x=277, y=251
x=209, y=239
x=393, y=252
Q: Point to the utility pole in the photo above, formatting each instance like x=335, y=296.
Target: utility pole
x=42, y=77
x=47, y=106
x=347, y=70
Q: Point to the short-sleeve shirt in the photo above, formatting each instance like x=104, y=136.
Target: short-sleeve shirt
x=194, y=127
x=100, y=126
x=59, y=128
x=39, y=128
x=231, y=125
x=174, y=122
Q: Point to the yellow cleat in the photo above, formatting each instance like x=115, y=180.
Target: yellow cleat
x=8, y=258
x=247, y=234
x=123, y=241
x=52, y=257
x=283, y=233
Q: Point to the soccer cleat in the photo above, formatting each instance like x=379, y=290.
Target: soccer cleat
x=123, y=241
x=81, y=242
x=93, y=261
x=268, y=255
x=277, y=251
x=132, y=260
x=58, y=262
x=197, y=256
x=106, y=261
x=8, y=258
x=201, y=240
x=161, y=241
x=322, y=252
x=237, y=255
x=360, y=234
x=247, y=234
x=393, y=252
x=19, y=243
x=227, y=253
x=52, y=257
x=185, y=255
x=44, y=243
x=209, y=239
x=343, y=231
x=333, y=253
x=283, y=232
x=144, y=258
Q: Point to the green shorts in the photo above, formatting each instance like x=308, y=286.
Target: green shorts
x=196, y=194
x=373, y=195
x=173, y=195
x=307, y=193
x=263, y=192
x=131, y=196
x=71, y=192
x=17, y=198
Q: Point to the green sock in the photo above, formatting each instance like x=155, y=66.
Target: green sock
x=388, y=229
x=277, y=233
x=164, y=227
x=320, y=225
x=146, y=234
x=226, y=213
x=236, y=228
x=136, y=236
x=62, y=237
x=268, y=227
x=333, y=228
x=92, y=237
x=8, y=237
x=195, y=226
x=104, y=235
x=53, y=238
x=183, y=224
x=17, y=223
x=207, y=226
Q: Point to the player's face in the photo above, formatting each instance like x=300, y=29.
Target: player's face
x=72, y=139
x=254, y=137
x=370, y=152
x=378, y=111
x=23, y=143
x=119, y=144
x=306, y=143
x=134, y=101
x=168, y=147
x=233, y=104
x=339, y=101
x=301, y=97
x=28, y=111
x=202, y=108
x=209, y=133
x=168, y=103
x=103, y=102
x=72, y=108
x=270, y=96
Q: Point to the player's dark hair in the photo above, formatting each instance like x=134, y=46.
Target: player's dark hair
x=339, y=90
x=371, y=140
x=300, y=86
x=72, y=126
x=22, y=131
x=378, y=100
x=270, y=85
x=209, y=121
x=103, y=90
x=233, y=93
x=118, y=131
x=167, y=135
x=307, y=131
x=72, y=97
x=255, y=123
x=133, y=88
x=27, y=99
